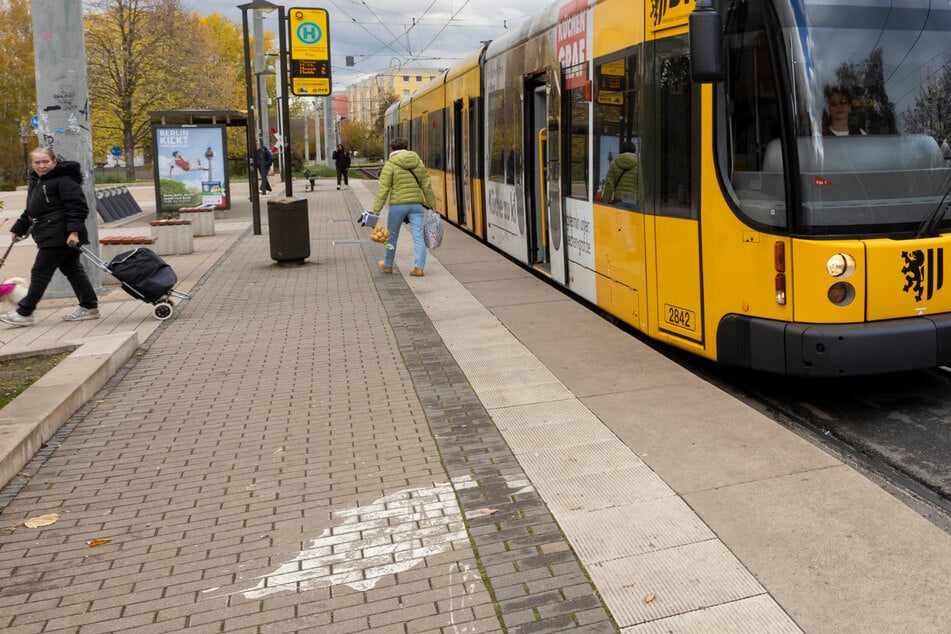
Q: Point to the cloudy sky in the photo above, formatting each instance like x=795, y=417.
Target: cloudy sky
x=396, y=34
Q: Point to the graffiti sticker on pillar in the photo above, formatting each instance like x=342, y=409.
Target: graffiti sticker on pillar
x=72, y=118
x=310, y=52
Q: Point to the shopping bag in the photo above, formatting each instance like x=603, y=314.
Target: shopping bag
x=368, y=219
x=432, y=230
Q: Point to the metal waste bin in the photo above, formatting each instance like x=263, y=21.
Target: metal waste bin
x=288, y=230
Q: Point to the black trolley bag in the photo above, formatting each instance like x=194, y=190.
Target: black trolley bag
x=145, y=276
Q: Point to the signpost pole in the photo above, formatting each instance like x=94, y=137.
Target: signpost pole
x=285, y=110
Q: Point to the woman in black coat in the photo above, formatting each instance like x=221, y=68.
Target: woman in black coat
x=56, y=209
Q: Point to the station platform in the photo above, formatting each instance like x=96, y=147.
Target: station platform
x=328, y=448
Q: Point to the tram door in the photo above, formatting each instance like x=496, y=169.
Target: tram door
x=674, y=192
x=545, y=248
x=460, y=163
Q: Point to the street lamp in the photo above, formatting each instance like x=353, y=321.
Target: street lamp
x=25, y=136
x=266, y=7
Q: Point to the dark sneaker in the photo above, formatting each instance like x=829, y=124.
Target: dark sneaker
x=82, y=314
x=16, y=319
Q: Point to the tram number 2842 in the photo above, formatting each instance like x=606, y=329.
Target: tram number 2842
x=680, y=317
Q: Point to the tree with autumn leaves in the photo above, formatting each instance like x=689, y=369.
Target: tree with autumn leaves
x=17, y=87
x=142, y=55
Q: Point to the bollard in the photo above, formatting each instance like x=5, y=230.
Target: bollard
x=288, y=230
x=104, y=208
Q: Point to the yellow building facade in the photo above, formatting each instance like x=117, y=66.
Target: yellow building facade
x=365, y=97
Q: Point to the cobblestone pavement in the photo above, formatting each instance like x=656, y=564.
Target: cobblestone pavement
x=270, y=463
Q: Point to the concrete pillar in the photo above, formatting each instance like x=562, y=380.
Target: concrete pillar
x=62, y=104
x=260, y=86
x=330, y=137
x=318, y=152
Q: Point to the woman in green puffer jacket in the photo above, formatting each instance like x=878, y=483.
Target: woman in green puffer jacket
x=622, y=183
x=405, y=181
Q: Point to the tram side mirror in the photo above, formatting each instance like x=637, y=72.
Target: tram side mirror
x=706, y=43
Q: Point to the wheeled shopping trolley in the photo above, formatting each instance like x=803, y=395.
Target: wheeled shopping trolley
x=145, y=276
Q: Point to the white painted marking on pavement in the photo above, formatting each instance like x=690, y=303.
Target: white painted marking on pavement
x=389, y=536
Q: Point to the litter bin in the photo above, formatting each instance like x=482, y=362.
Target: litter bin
x=288, y=230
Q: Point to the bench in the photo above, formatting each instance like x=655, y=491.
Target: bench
x=203, y=220
x=174, y=237
x=109, y=248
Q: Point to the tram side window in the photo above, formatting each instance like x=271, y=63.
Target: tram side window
x=432, y=153
x=496, y=132
x=578, y=115
x=502, y=130
x=752, y=121
x=475, y=141
x=675, y=132
x=616, y=132
x=415, y=132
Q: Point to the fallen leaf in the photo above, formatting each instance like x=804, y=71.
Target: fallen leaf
x=487, y=511
x=650, y=597
x=97, y=542
x=41, y=520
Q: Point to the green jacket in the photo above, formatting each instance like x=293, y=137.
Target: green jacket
x=398, y=184
x=624, y=177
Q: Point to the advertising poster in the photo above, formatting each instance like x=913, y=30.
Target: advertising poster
x=190, y=167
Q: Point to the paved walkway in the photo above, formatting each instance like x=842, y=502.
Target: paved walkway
x=326, y=448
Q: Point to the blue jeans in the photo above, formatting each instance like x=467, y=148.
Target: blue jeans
x=394, y=220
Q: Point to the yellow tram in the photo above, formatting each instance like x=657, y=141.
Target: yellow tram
x=781, y=183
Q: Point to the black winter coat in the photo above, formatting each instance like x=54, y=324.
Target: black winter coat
x=55, y=206
x=341, y=159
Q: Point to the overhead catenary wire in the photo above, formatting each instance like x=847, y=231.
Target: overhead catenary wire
x=394, y=39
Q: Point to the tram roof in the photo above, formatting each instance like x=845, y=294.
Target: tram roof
x=539, y=22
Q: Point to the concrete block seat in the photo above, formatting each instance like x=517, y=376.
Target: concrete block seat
x=203, y=220
x=174, y=237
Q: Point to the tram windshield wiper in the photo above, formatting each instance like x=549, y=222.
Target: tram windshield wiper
x=930, y=223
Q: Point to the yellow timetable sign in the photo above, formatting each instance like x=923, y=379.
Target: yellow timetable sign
x=310, y=52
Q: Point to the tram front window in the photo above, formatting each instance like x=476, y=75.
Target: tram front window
x=873, y=103
x=869, y=108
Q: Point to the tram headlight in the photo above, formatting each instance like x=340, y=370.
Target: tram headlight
x=841, y=293
x=841, y=265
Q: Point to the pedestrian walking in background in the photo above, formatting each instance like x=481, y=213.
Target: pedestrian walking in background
x=310, y=173
x=263, y=161
x=341, y=157
x=56, y=209
x=405, y=181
